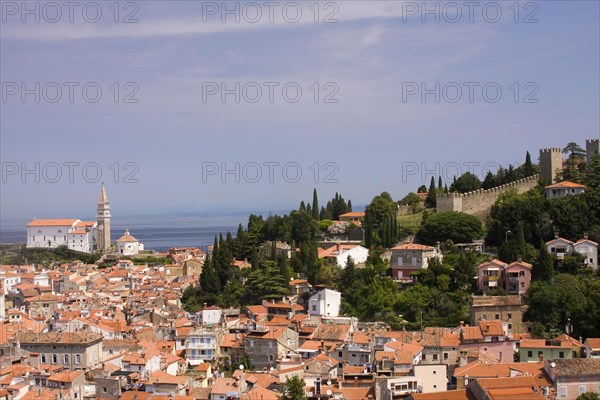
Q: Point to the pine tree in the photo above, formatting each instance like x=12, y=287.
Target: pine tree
x=315, y=205
x=309, y=209
x=302, y=206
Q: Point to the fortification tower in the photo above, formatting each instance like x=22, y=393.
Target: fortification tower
x=592, y=146
x=550, y=161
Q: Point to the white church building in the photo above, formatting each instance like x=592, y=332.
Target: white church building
x=83, y=236
x=128, y=245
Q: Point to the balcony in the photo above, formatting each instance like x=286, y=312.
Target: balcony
x=200, y=346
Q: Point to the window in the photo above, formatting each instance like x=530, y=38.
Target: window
x=314, y=307
x=522, y=273
x=509, y=326
x=340, y=354
x=104, y=390
x=530, y=353
x=563, y=391
x=561, y=354
x=65, y=358
x=497, y=316
x=43, y=358
x=77, y=359
x=445, y=358
x=435, y=357
x=252, y=343
x=509, y=315
x=54, y=359
x=581, y=389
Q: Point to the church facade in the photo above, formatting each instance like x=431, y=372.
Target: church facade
x=83, y=236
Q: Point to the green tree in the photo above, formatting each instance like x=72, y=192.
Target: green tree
x=592, y=172
x=315, y=205
x=588, y=396
x=528, y=166
x=467, y=182
x=303, y=228
x=543, y=268
x=575, y=156
x=431, y=199
x=210, y=285
x=450, y=225
x=489, y=181
x=293, y=389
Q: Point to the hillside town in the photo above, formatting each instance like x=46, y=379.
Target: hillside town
x=140, y=324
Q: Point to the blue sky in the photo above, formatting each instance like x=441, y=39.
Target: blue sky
x=371, y=135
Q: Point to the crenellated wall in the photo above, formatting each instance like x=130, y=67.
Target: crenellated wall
x=480, y=202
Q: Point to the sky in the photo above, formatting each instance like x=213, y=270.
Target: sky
x=191, y=106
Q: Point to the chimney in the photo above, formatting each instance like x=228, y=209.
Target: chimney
x=356, y=381
x=541, y=356
x=338, y=247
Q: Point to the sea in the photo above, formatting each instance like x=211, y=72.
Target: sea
x=156, y=232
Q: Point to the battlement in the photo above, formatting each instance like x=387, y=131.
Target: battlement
x=551, y=150
x=592, y=141
x=480, y=202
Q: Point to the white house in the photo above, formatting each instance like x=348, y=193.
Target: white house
x=128, y=245
x=211, y=315
x=562, y=189
x=559, y=247
x=589, y=250
x=325, y=303
x=339, y=253
x=50, y=233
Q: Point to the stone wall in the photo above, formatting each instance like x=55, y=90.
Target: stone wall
x=480, y=202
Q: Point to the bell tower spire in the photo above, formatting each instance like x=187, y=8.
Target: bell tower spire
x=103, y=218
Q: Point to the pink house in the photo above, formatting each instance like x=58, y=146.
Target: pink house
x=489, y=275
x=517, y=277
x=513, y=278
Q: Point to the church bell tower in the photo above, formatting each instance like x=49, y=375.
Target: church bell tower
x=103, y=218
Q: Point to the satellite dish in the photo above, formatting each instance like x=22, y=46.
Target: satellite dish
x=329, y=382
x=242, y=367
x=328, y=392
x=553, y=364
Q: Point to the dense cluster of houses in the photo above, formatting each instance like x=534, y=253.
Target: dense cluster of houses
x=80, y=331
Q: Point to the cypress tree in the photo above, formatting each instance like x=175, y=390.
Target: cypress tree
x=520, y=240
x=440, y=182
x=349, y=205
x=528, y=167
x=543, y=269
x=210, y=286
x=315, y=205
x=302, y=206
x=430, y=200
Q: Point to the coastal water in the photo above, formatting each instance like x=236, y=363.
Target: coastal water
x=155, y=232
